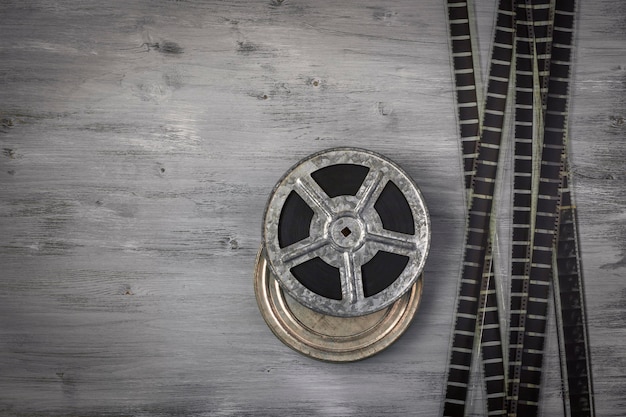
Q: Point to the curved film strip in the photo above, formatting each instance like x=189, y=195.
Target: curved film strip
x=550, y=197
x=477, y=273
x=570, y=300
x=528, y=140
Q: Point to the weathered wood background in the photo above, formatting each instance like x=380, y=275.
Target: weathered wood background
x=139, y=143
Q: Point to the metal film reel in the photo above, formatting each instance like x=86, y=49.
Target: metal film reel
x=346, y=232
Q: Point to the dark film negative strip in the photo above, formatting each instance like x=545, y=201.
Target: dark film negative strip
x=527, y=120
x=540, y=17
x=571, y=314
x=469, y=114
x=468, y=111
x=491, y=340
x=546, y=219
x=465, y=78
x=542, y=213
x=576, y=371
x=477, y=236
x=569, y=286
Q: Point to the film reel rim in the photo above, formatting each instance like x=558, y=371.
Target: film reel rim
x=416, y=255
x=291, y=331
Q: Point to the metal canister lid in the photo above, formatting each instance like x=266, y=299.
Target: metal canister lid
x=326, y=337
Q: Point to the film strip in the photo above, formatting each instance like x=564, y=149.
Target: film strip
x=543, y=212
x=469, y=116
x=466, y=84
x=491, y=340
x=569, y=285
x=571, y=314
x=554, y=209
x=529, y=104
x=477, y=291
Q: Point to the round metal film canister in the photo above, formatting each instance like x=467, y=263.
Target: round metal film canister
x=325, y=337
x=346, y=232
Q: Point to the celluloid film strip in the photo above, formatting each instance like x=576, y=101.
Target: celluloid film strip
x=491, y=340
x=466, y=84
x=526, y=390
x=567, y=278
x=540, y=18
x=569, y=285
x=478, y=227
x=527, y=143
x=469, y=115
x=571, y=314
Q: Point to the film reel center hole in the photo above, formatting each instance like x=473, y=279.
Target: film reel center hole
x=347, y=232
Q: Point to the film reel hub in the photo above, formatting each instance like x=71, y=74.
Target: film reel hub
x=347, y=232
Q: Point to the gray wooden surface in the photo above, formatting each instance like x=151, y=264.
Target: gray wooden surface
x=139, y=142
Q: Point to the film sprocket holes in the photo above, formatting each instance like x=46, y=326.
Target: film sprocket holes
x=346, y=234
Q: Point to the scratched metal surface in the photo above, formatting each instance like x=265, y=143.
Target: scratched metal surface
x=140, y=141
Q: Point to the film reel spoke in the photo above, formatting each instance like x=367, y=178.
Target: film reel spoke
x=302, y=251
x=393, y=242
x=315, y=197
x=351, y=282
x=370, y=190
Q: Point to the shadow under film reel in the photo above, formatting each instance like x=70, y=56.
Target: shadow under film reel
x=346, y=234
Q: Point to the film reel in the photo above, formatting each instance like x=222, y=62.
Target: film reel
x=345, y=237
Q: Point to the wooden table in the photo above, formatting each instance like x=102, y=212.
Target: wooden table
x=139, y=143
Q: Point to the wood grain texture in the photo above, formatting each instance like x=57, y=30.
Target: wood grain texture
x=139, y=143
